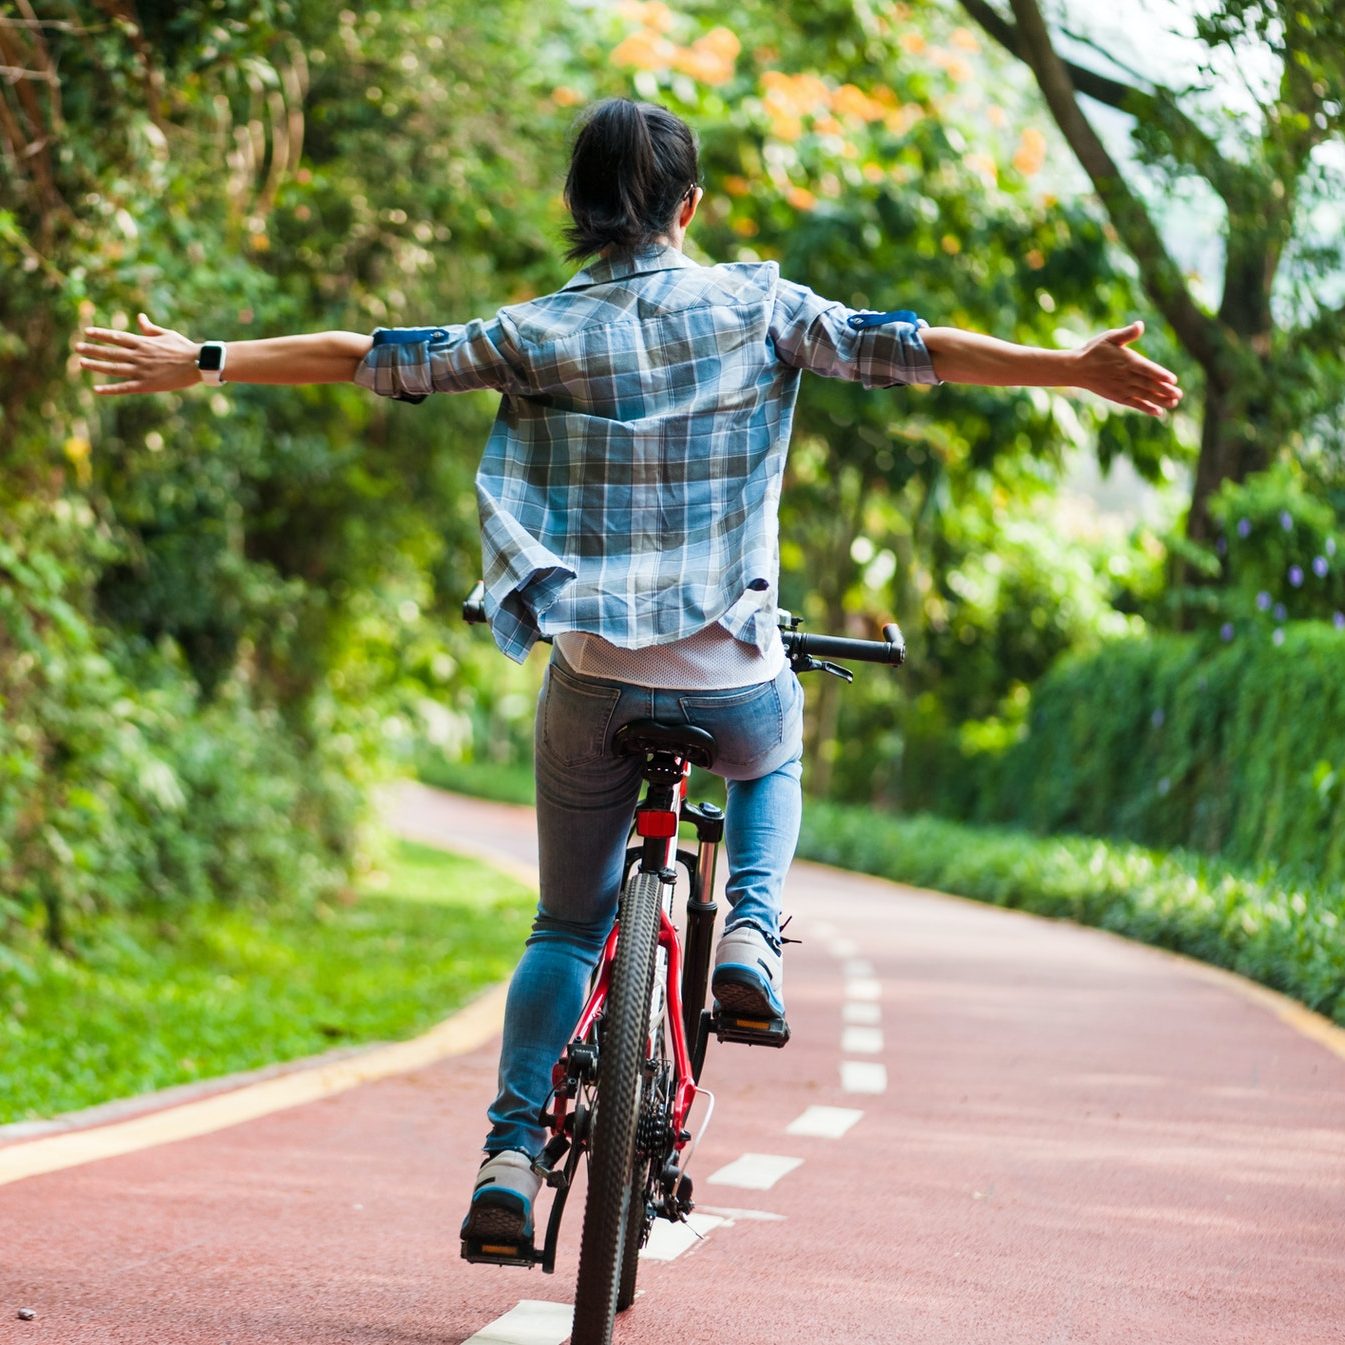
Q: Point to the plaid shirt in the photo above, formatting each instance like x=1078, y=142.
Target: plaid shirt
x=630, y=484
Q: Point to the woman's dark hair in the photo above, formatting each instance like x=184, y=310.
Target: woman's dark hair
x=632, y=166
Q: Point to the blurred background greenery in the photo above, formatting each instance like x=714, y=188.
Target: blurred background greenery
x=226, y=615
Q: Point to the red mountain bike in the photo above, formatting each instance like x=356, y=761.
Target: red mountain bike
x=624, y=1090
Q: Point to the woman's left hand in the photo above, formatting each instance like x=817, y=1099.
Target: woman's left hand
x=154, y=360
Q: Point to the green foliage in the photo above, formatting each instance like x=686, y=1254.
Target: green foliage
x=1283, y=553
x=216, y=607
x=1282, y=933
x=161, y=1000
x=484, y=780
x=1235, y=750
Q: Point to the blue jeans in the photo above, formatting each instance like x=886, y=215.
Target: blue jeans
x=586, y=796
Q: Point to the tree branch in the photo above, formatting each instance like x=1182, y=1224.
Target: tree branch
x=1160, y=275
x=1195, y=147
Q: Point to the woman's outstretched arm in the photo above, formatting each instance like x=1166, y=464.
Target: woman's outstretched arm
x=156, y=359
x=1104, y=365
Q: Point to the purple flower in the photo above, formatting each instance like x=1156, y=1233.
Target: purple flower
x=1338, y=620
x=1319, y=566
x=1286, y=520
x=1226, y=631
x=1221, y=546
x=1263, y=601
x=1279, y=613
x=1244, y=527
x=1157, y=718
x=1296, y=576
x=1278, y=636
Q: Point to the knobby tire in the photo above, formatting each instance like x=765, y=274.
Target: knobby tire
x=610, y=1211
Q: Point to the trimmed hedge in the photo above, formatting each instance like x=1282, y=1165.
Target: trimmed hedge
x=1234, y=749
x=1285, y=936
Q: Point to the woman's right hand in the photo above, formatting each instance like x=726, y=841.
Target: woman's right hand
x=154, y=360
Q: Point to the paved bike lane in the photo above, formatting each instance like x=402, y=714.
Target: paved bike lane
x=988, y=1128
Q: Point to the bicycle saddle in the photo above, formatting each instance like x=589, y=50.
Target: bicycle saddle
x=642, y=736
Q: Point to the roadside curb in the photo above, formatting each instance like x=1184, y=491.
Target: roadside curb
x=310, y=1081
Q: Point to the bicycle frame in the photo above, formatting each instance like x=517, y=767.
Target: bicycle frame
x=657, y=818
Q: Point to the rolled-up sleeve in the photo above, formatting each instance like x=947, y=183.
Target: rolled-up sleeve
x=879, y=350
x=409, y=363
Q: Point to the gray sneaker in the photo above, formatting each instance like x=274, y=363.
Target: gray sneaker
x=501, y=1209
x=748, y=979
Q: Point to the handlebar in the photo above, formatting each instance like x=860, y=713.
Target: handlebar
x=891, y=649
x=805, y=650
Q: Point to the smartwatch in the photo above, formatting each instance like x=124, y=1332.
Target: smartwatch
x=211, y=362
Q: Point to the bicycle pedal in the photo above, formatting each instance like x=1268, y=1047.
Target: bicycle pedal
x=750, y=1031
x=492, y=1252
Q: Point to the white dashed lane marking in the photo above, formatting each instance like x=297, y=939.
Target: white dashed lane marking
x=668, y=1240
x=755, y=1172
x=828, y=1123
x=857, y=968
x=861, y=1011
x=531, y=1322
x=863, y=1076
x=861, y=1040
x=863, y=987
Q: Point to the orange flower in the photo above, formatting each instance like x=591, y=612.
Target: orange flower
x=912, y=43
x=645, y=51
x=964, y=39
x=737, y=186
x=711, y=62
x=723, y=42
x=658, y=16
x=851, y=101
x=801, y=198
x=563, y=96
x=1030, y=155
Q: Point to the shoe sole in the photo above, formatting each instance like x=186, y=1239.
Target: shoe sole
x=491, y=1222
x=739, y=993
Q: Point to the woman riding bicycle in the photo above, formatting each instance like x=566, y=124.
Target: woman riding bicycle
x=628, y=497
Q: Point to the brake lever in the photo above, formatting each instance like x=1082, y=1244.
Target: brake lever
x=802, y=663
x=836, y=670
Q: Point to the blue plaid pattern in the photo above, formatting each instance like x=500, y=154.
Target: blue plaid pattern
x=630, y=485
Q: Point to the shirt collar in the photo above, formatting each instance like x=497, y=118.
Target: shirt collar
x=621, y=265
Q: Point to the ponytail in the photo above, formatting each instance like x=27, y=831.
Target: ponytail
x=631, y=168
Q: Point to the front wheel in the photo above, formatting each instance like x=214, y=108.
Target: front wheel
x=613, y=1211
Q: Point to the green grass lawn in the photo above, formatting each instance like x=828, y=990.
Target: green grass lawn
x=145, y=1004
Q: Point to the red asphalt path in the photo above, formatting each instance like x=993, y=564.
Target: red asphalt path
x=1080, y=1140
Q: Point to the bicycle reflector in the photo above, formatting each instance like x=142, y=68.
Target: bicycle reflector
x=656, y=823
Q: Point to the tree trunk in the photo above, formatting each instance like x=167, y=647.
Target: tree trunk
x=1235, y=441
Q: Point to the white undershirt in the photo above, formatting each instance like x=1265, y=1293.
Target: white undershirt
x=710, y=660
